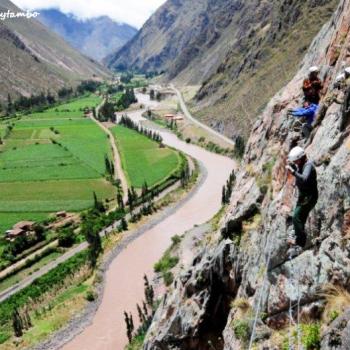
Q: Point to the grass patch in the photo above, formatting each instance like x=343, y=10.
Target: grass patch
x=143, y=159
x=137, y=343
x=168, y=262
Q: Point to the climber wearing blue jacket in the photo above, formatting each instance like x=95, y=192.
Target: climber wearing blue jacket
x=308, y=112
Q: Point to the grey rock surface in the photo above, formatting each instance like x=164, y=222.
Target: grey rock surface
x=246, y=272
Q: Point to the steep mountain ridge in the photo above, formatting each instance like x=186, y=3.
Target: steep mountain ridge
x=95, y=37
x=33, y=59
x=241, y=273
x=241, y=51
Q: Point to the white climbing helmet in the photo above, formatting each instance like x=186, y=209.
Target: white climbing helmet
x=340, y=77
x=314, y=69
x=295, y=154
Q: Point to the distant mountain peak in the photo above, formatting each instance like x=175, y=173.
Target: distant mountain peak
x=95, y=37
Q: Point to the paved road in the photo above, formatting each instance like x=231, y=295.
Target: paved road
x=196, y=121
x=30, y=279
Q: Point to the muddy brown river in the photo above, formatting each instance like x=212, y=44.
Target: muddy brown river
x=124, y=278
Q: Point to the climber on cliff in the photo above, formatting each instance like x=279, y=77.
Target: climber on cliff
x=305, y=175
x=343, y=80
x=312, y=86
x=308, y=111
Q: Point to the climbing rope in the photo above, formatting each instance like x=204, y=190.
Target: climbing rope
x=261, y=294
x=298, y=315
x=290, y=311
x=291, y=319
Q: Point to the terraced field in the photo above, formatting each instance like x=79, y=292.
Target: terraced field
x=143, y=159
x=52, y=161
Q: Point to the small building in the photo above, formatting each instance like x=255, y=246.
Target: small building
x=22, y=228
x=167, y=92
x=24, y=225
x=173, y=117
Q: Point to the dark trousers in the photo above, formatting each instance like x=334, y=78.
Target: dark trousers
x=304, y=205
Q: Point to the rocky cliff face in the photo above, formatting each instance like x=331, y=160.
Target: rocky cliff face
x=244, y=274
x=240, y=52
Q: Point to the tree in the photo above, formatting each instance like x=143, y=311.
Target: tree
x=108, y=165
x=50, y=98
x=9, y=104
x=223, y=195
x=66, y=238
x=120, y=200
x=129, y=325
x=39, y=232
x=144, y=189
x=130, y=200
x=98, y=205
x=151, y=94
x=124, y=224
x=93, y=238
x=17, y=323
x=239, y=147
x=106, y=112
x=149, y=292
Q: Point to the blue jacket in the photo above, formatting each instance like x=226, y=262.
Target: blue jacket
x=306, y=112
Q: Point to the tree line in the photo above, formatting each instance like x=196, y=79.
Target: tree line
x=108, y=109
x=130, y=124
x=145, y=313
x=46, y=99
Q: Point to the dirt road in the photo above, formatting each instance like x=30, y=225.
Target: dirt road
x=118, y=173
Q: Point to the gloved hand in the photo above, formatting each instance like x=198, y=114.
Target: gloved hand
x=290, y=168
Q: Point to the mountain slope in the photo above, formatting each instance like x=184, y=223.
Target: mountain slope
x=242, y=272
x=228, y=46
x=33, y=59
x=96, y=37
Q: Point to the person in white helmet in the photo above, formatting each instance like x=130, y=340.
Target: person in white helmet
x=312, y=86
x=306, y=181
x=342, y=80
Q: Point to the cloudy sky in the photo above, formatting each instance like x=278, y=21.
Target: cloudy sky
x=134, y=12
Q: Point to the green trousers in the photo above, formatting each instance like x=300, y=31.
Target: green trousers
x=304, y=205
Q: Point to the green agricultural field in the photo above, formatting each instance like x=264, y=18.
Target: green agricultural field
x=74, y=109
x=52, y=161
x=143, y=159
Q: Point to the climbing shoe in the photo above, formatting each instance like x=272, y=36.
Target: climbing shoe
x=294, y=251
x=291, y=238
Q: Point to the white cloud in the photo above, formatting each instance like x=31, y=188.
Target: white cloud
x=134, y=12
